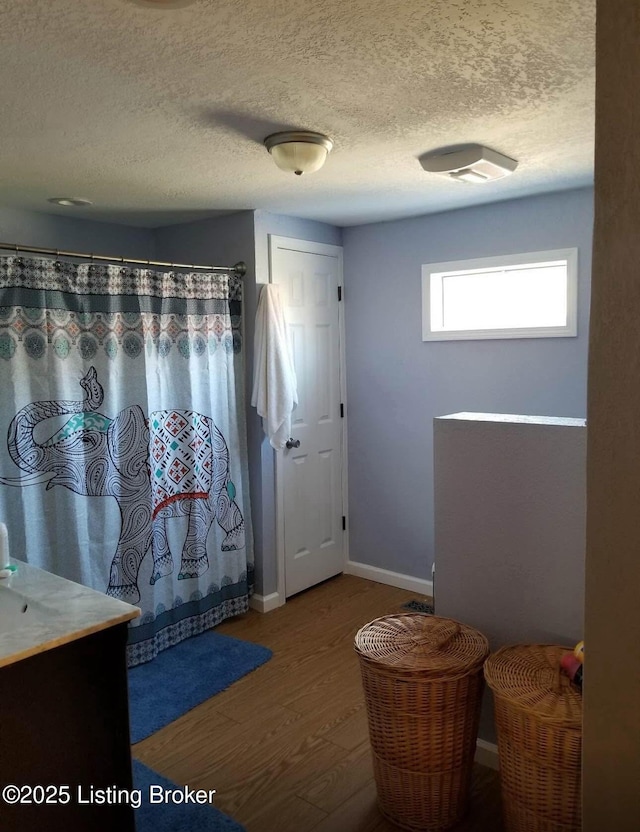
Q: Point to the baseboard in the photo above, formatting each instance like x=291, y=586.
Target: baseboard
x=487, y=754
x=384, y=576
x=265, y=603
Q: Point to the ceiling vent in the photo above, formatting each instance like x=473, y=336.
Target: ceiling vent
x=471, y=163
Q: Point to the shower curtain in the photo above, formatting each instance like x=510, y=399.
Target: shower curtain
x=123, y=461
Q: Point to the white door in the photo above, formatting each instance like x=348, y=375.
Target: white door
x=310, y=476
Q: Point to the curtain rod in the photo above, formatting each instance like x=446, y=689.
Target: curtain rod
x=239, y=269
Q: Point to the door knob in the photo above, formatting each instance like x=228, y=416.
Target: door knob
x=293, y=443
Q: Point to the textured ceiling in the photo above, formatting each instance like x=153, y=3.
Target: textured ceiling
x=158, y=116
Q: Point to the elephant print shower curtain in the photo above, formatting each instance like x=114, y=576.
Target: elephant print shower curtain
x=123, y=461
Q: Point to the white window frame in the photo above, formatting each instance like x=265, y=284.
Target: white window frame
x=432, y=274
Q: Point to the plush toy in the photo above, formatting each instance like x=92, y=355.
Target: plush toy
x=572, y=664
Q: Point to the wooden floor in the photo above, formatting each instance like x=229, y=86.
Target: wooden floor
x=286, y=747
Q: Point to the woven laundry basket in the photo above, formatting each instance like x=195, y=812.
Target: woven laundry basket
x=539, y=722
x=422, y=678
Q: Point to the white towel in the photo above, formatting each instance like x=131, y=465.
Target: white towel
x=275, y=392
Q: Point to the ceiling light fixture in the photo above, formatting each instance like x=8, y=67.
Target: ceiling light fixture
x=70, y=201
x=471, y=163
x=299, y=151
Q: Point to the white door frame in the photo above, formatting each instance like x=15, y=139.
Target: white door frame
x=308, y=247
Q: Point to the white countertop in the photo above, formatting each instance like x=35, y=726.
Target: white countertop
x=57, y=611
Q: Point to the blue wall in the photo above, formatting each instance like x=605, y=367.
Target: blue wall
x=219, y=241
x=281, y=225
x=396, y=384
x=73, y=234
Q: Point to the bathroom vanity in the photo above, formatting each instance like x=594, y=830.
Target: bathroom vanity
x=63, y=694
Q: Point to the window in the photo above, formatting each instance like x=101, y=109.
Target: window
x=517, y=296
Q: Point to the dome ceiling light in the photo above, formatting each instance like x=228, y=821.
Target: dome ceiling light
x=299, y=151
x=70, y=201
x=472, y=163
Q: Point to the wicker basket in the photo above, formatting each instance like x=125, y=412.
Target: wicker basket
x=422, y=678
x=539, y=722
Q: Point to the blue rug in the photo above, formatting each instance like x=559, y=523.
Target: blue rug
x=183, y=676
x=175, y=817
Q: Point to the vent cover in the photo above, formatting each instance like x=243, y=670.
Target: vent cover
x=472, y=163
